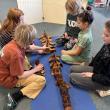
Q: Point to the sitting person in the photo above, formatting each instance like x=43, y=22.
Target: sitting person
x=15, y=17
x=71, y=29
x=12, y=72
x=81, y=50
x=96, y=76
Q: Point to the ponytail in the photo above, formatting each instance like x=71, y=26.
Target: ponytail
x=86, y=15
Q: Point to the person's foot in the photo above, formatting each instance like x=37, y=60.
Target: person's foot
x=69, y=45
x=103, y=93
x=10, y=103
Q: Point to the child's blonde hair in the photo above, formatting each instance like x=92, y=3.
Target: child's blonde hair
x=25, y=34
x=72, y=7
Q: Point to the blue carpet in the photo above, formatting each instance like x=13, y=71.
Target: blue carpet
x=49, y=98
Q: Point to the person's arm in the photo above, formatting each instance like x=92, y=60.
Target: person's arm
x=100, y=77
x=17, y=67
x=34, y=48
x=87, y=74
x=74, y=52
x=32, y=71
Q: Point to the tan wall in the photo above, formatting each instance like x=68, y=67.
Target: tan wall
x=84, y=3
x=54, y=11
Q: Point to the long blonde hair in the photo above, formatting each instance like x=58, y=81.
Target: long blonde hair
x=72, y=7
x=25, y=34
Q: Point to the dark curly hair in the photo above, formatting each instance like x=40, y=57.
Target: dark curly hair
x=86, y=15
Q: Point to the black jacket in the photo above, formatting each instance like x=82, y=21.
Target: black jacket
x=101, y=66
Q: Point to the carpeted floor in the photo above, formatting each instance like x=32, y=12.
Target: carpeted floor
x=100, y=15
x=79, y=98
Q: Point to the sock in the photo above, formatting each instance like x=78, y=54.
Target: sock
x=17, y=96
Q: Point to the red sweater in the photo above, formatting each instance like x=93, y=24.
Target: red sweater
x=11, y=64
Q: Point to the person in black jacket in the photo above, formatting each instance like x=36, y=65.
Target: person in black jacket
x=96, y=76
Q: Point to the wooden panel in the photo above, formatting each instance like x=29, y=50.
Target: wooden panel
x=54, y=11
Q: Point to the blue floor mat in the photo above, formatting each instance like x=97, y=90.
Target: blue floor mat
x=49, y=98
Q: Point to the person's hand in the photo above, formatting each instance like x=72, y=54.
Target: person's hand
x=66, y=35
x=40, y=51
x=45, y=48
x=63, y=52
x=87, y=74
x=31, y=48
x=75, y=40
x=39, y=67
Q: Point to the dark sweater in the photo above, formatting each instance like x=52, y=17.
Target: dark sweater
x=71, y=28
x=5, y=37
x=101, y=66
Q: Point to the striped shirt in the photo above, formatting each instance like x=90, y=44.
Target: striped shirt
x=5, y=37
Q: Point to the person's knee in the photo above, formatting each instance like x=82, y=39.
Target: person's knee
x=44, y=81
x=62, y=57
x=72, y=79
x=65, y=59
x=75, y=68
x=40, y=80
x=72, y=68
x=71, y=75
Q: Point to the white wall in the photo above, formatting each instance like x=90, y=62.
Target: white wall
x=32, y=10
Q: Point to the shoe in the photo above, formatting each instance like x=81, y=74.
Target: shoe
x=61, y=41
x=103, y=93
x=10, y=104
x=69, y=45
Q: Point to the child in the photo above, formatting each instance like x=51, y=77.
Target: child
x=12, y=72
x=96, y=76
x=71, y=29
x=15, y=17
x=81, y=50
